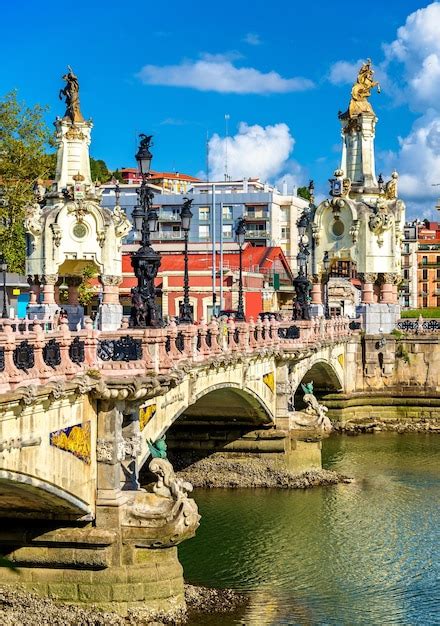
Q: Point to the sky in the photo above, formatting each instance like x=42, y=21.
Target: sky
x=279, y=71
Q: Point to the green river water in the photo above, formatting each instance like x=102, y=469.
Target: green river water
x=364, y=553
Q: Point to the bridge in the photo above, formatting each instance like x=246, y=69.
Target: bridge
x=78, y=414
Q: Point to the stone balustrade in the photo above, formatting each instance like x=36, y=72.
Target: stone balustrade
x=33, y=355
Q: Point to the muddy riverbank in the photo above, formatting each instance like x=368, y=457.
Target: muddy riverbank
x=19, y=608
x=219, y=471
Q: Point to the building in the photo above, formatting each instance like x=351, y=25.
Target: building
x=271, y=215
x=169, y=182
x=267, y=282
x=421, y=265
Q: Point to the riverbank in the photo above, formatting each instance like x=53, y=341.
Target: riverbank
x=19, y=608
x=377, y=426
x=219, y=471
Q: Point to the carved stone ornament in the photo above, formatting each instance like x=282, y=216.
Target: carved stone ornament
x=32, y=222
x=58, y=389
x=29, y=394
x=2, y=359
x=74, y=133
x=100, y=238
x=368, y=278
x=354, y=231
x=49, y=279
x=105, y=451
x=56, y=234
x=121, y=221
x=165, y=516
x=79, y=208
x=316, y=234
x=388, y=278
x=111, y=281
x=380, y=221
x=18, y=443
x=346, y=186
x=313, y=417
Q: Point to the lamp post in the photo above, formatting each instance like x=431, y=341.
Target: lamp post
x=326, y=265
x=145, y=260
x=3, y=268
x=185, y=313
x=240, y=234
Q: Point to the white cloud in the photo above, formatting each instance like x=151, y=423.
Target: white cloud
x=255, y=151
x=343, y=72
x=218, y=73
x=417, y=48
x=253, y=39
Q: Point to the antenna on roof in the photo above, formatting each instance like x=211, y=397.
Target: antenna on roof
x=207, y=155
x=227, y=117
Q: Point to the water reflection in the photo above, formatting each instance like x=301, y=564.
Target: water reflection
x=364, y=553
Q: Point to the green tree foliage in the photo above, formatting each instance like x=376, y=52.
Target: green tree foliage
x=86, y=291
x=303, y=192
x=24, y=142
x=118, y=176
x=99, y=170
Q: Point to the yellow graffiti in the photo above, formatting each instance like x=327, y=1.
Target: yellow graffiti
x=145, y=414
x=74, y=439
x=269, y=380
x=341, y=359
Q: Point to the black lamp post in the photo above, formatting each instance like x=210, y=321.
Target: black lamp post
x=3, y=268
x=240, y=234
x=185, y=313
x=145, y=260
x=326, y=266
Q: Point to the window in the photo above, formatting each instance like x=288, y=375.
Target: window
x=424, y=274
x=406, y=274
x=425, y=302
x=204, y=231
x=406, y=248
x=227, y=212
x=424, y=260
x=438, y=275
x=285, y=232
x=227, y=231
x=203, y=213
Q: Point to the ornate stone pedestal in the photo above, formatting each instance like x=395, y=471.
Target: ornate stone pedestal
x=109, y=316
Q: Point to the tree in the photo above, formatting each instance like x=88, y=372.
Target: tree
x=303, y=192
x=86, y=291
x=24, y=141
x=99, y=170
x=117, y=175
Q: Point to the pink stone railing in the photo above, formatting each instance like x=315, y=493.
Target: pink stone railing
x=38, y=356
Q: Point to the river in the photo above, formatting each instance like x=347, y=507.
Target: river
x=363, y=553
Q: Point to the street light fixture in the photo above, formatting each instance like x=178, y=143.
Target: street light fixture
x=240, y=235
x=145, y=261
x=4, y=269
x=185, y=313
x=326, y=266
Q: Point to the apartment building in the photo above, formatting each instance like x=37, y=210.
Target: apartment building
x=271, y=215
x=421, y=265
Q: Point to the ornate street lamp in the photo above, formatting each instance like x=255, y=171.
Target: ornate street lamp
x=326, y=266
x=240, y=234
x=4, y=268
x=145, y=261
x=185, y=313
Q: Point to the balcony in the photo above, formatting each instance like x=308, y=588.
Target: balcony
x=429, y=264
x=261, y=214
x=165, y=216
x=257, y=234
x=169, y=234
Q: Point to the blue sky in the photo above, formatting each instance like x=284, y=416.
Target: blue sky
x=300, y=61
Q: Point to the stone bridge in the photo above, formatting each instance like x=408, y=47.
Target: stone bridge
x=79, y=409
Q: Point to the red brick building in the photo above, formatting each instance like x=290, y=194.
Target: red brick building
x=267, y=282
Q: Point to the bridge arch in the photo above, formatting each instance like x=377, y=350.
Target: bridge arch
x=227, y=408
x=30, y=496
x=324, y=375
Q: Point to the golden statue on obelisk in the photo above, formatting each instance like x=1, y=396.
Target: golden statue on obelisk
x=71, y=94
x=361, y=90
